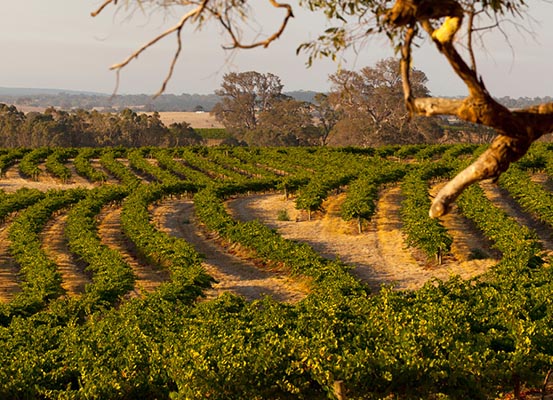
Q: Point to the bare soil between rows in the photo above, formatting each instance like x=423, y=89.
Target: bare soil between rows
x=14, y=180
x=234, y=273
x=9, y=281
x=148, y=276
x=54, y=244
x=379, y=254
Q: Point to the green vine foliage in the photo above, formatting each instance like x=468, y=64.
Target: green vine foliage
x=423, y=232
x=454, y=339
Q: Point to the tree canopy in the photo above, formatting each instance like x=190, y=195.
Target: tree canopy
x=90, y=128
x=451, y=25
x=370, y=103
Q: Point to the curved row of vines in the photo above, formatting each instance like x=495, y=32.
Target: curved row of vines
x=456, y=339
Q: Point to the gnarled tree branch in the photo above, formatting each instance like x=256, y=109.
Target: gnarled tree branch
x=517, y=129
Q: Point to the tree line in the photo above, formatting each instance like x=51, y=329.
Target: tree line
x=363, y=108
x=90, y=128
x=43, y=98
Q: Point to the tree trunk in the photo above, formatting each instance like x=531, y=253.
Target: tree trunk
x=339, y=390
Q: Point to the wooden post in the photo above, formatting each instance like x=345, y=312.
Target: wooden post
x=340, y=390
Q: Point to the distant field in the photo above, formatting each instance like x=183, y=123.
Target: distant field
x=196, y=120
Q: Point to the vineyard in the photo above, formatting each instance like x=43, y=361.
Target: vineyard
x=272, y=273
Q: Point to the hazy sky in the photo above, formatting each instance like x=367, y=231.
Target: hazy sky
x=57, y=44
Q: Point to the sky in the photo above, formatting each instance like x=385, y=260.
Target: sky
x=57, y=44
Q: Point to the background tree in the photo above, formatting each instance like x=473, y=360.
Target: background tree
x=326, y=116
x=244, y=96
x=289, y=122
x=406, y=23
x=372, y=109
x=11, y=120
x=182, y=134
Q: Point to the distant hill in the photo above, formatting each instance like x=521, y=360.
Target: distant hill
x=6, y=91
x=302, y=95
x=36, y=98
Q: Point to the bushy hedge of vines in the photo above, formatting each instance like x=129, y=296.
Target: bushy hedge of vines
x=456, y=339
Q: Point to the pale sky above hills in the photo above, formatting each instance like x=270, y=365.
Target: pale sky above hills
x=57, y=44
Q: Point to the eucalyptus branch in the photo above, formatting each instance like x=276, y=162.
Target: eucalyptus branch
x=173, y=29
x=104, y=5
x=236, y=42
x=194, y=15
x=172, y=66
x=470, y=31
x=405, y=66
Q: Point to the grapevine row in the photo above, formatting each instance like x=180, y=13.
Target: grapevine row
x=84, y=167
x=188, y=278
x=197, y=158
x=112, y=277
x=165, y=160
x=41, y=281
x=139, y=162
x=519, y=244
x=29, y=164
x=55, y=163
x=362, y=194
x=533, y=197
x=423, y=232
x=268, y=245
x=124, y=174
x=10, y=158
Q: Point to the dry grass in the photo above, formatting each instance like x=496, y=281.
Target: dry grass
x=379, y=255
x=196, y=120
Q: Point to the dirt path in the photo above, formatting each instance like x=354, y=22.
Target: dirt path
x=471, y=251
x=9, y=283
x=543, y=179
x=13, y=180
x=501, y=198
x=77, y=179
x=54, y=243
x=148, y=277
x=95, y=163
x=234, y=274
x=379, y=254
